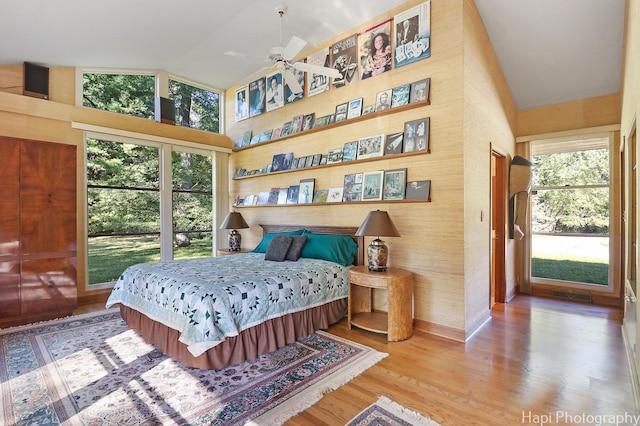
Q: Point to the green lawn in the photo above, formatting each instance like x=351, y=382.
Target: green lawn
x=109, y=256
x=578, y=259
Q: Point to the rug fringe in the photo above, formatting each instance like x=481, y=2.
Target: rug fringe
x=41, y=323
x=298, y=403
x=413, y=417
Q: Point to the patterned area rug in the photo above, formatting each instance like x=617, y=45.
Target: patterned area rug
x=386, y=412
x=93, y=370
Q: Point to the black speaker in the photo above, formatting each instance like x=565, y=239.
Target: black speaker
x=165, y=110
x=36, y=80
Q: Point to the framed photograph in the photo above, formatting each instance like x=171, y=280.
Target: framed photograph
x=266, y=135
x=320, y=196
x=350, y=151
x=370, y=147
x=323, y=159
x=294, y=163
x=335, y=195
x=276, y=163
x=318, y=83
x=352, y=188
x=413, y=35
x=286, y=161
x=383, y=100
x=273, y=196
x=322, y=121
x=400, y=95
x=293, y=85
x=286, y=129
x=355, y=108
x=282, y=195
x=375, y=47
x=341, y=112
x=296, y=124
x=393, y=143
x=307, y=121
x=420, y=90
x=418, y=190
x=275, y=91
x=416, y=135
x=344, y=54
x=394, y=184
x=316, y=159
x=292, y=194
x=257, y=97
x=263, y=198
x=368, y=109
x=411, y=129
x=242, y=103
x=305, y=193
x=372, y=185
x=334, y=156
x=276, y=133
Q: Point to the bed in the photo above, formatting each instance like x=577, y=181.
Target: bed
x=215, y=312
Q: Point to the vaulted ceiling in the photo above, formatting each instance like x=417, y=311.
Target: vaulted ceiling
x=551, y=51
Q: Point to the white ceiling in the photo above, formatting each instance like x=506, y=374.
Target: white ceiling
x=550, y=50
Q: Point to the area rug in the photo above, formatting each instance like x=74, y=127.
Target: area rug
x=93, y=370
x=386, y=412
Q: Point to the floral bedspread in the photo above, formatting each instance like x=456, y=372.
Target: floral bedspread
x=209, y=299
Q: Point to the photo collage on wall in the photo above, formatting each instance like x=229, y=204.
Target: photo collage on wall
x=396, y=42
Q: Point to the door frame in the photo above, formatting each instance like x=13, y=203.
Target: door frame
x=498, y=227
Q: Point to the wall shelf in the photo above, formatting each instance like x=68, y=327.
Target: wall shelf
x=341, y=203
x=341, y=123
x=342, y=163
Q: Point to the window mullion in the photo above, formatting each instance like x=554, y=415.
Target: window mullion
x=166, y=205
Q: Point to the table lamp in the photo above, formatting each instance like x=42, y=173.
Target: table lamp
x=233, y=221
x=377, y=223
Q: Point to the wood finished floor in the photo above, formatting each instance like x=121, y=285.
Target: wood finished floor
x=536, y=357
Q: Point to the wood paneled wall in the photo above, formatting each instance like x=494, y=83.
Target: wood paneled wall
x=444, y=242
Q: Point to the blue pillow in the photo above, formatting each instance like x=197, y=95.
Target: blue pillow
x=338, y=248
x=266, y=240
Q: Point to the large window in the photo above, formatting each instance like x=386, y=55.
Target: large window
x=134, y=93
x=125, y=202
x=570, y=215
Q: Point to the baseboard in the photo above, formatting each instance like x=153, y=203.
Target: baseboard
x=439, y=330
x=635, y=382
x=544, y=290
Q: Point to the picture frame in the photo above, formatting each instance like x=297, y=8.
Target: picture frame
x=341, y=112
x=400, y=95
x=307, y=122
x=257, y=97
x=420, y=90
x=375, y=46
x=370, y=146
x=416, y=135
x=296, y=124
x=318, y=83
x=276, y=133
x=352, y=188
x=293, y=86
x=276, y=163
x=372, y=185
x=368, y=109
x=383, y=100
x=350, y=151
x=418, y=190
x=393, y=143
x=334, y=156
x=275, y=91
x=274, y=193
x=335, y=195
x=287, y=159
x=282, y=195
x=412, y=29
x=292, y=194
x=306, y=191
x=354, y=109
x=263, y=198
x=395, y=182
x=316, y=159
x=344, y=54
x=322, y=121
x=242, y=103
x=320, y=196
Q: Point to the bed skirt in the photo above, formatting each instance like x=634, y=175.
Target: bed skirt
x=249, y=344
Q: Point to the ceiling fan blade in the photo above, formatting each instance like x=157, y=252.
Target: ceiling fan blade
x=294, y=47
x=316, y=69
x=292, y=81
x=254, y=76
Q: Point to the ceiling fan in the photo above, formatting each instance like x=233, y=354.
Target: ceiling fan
x=282, y=60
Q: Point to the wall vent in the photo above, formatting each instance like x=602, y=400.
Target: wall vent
x=572, y=295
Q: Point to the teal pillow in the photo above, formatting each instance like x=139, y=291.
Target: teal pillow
x=338, y=248
x=266, y=240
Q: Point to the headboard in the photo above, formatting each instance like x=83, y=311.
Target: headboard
x=347, y=230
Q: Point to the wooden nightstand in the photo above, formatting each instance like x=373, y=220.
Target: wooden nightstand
x=397, y=324
x=226, y=252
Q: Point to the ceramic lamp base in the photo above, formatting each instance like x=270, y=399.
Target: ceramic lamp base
x=377, y=254
x=234, y=240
